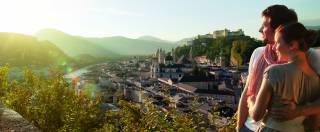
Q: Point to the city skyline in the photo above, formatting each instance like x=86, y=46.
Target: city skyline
x=168, y=20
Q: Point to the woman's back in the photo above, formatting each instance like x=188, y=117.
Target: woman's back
x=290, y=83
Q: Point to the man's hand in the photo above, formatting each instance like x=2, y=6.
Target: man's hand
x=289, y=112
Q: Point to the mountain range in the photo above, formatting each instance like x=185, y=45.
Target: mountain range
x=73, y=45
x=105, y=46
x=53, y=47
x=128, y=46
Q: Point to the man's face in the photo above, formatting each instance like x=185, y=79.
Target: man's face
x=267, y=31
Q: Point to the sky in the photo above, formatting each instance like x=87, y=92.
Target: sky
x=166, y=19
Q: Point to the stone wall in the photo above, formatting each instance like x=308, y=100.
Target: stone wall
x=11, y=121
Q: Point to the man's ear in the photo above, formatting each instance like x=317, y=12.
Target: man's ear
x=294, y=45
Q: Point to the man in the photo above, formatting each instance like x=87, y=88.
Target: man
x=261, y=58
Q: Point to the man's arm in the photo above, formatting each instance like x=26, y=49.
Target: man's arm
x=310, y=109
x=292, y=111
x=242, y=108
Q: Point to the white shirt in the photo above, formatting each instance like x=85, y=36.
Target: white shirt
x=250, y=123
x=313, y=56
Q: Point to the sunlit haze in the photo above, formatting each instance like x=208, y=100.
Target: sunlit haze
x=166, y=19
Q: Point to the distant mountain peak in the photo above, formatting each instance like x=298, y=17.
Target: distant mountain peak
x=152, y=38
x=51, y=30
x=148, y=37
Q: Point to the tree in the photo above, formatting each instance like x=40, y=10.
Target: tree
x=51, y=104
x=242, y=49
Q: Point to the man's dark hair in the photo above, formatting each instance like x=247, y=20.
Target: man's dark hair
x=280, y=15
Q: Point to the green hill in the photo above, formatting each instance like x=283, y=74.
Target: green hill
x=127, y=46
x=73, y=45
x=23, y=50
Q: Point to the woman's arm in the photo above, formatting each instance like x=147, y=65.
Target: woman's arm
x=261, y=103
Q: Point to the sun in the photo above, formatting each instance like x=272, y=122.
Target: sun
x=23, y=16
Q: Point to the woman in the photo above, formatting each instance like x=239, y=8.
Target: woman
x=295, y=80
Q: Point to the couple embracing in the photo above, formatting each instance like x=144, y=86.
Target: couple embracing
x=282, y=91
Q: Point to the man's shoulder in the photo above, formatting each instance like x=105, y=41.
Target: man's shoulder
x=313, y=52
x=257, y=52
x=313, y=56
x=259, y=49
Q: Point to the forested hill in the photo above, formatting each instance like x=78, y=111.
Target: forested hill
x=23, y=50
x=235, y=49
